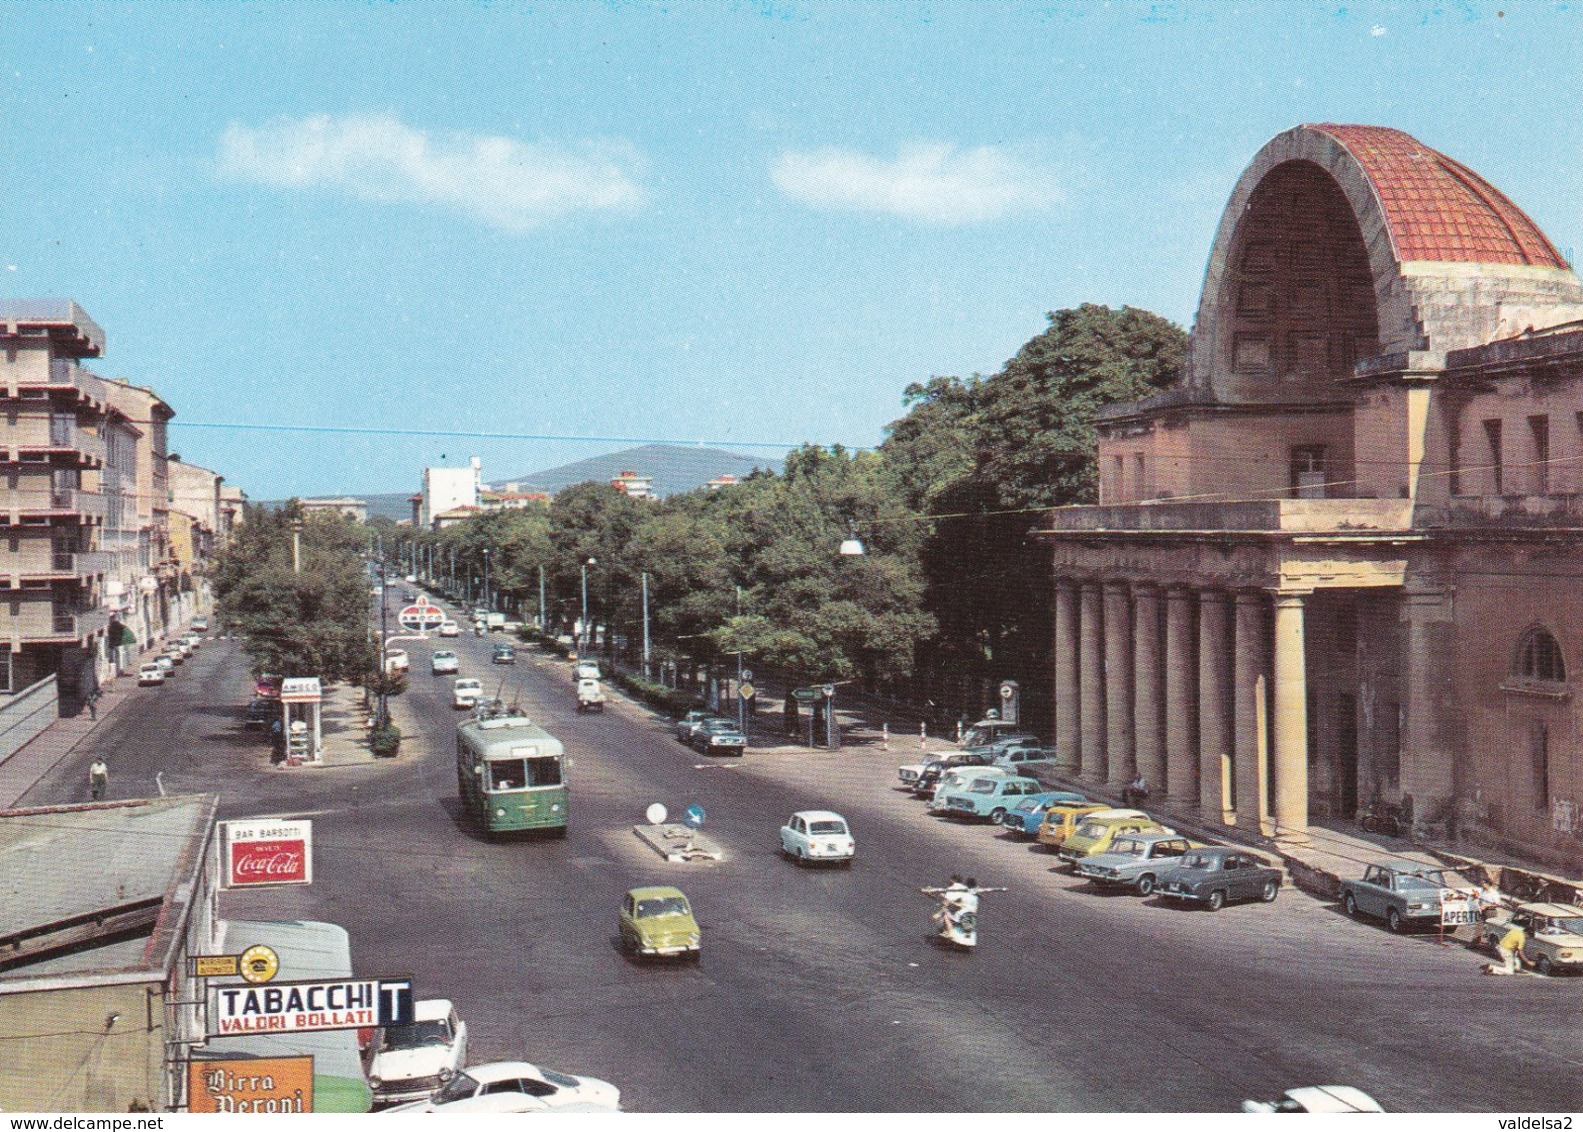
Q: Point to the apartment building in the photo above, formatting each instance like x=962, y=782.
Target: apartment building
x=62, y=441
x=146, y=574
x=195, y=532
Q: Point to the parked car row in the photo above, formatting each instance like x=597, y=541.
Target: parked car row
x=155, y=671
x=711, y=734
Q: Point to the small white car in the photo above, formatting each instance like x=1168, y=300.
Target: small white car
x=165, y=664
x=200, y=624
x=442, y=662
x=449, y=628
x=1318, y=1098
x=397, y=660
x=586, y=670
x=811, y=836
x=192, y=642
x=412, y=1061
x=466, y=693
x=150, y=674
x=507, y=1080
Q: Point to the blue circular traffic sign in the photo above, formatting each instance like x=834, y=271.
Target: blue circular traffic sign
x=694, y=817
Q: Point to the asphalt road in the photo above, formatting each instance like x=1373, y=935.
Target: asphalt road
x=820, y=990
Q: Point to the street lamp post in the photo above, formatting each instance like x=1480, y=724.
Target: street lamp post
x=645, y=625
x=585, y=636
x=742, y=707
x=487, y=604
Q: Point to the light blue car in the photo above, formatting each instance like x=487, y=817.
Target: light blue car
x=1027, y=815
x=986, y=796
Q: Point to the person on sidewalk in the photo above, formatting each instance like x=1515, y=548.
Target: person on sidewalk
x=1510, y=950
x=93, y=705
x=98, y=778
x=1136, y=792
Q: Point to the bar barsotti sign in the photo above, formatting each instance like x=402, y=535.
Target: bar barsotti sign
x=290, y=1008
x=268, y=851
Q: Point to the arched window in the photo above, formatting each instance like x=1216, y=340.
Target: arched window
x=1539, y=657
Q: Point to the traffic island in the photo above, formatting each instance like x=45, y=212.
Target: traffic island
x=677, y=842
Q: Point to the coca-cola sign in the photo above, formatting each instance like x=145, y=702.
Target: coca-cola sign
x=267, y=852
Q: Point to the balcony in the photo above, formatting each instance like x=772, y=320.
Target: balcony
x=63, y=319
x=1292, y=516
x=38, y=623
x=40, y=564
x=41, y=444
x=24, y=505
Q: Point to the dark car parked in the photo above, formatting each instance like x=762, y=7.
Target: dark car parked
x=261, y=712
x=719, y=737
x=933, y=769
x=504, y=654
x=1217, y=875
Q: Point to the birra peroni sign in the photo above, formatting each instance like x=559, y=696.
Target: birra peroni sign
x=285, y=1008
x=255, y=1084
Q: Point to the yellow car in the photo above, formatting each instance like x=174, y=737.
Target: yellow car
x=1060, y=822
x=1102, y=827
x=658, y=921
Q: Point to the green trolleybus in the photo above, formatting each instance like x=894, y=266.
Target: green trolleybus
x=510, y=773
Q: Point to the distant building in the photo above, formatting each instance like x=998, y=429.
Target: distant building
x=513, y=500
x=453, y=516
x=633, y=485
x=721, y=481
x=233, y=506
x=445, y=489
x=355, y=509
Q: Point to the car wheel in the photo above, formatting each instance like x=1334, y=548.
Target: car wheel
x=1394, y=921
x=1216, y=901
x=1269, y=891
x=1542, y=965
x=1145, y=884
x=1349, y=905
x=997, y=816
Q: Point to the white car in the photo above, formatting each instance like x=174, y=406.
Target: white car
x=150, y=674
x=586, y=670
x=192, y=642
x=397, y=660
x=1318, y=1098
x=817, y=835
x=443, y=661
x=412, y=1061
x=165, y=664
x=200, y=624
x=449, y=628
x=466, y=693
x=513, y=1083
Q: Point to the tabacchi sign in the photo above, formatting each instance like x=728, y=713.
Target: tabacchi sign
x=293, y=1008
x=263, y=852
x=255, y=1084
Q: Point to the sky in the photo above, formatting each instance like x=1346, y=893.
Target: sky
x=548, y=231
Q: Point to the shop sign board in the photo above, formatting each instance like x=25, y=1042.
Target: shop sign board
x=253, y=1084
x=266, y=852
x=295, y=1008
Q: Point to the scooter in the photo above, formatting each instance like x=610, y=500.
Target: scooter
x=957, y=915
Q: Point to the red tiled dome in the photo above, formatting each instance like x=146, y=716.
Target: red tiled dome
x=1438, y=209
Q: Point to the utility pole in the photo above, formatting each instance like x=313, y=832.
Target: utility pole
x=544, y=621
x=742, y=707
x=296, y=545
x=645, y=624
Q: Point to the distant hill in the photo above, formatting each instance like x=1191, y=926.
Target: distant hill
x=675, y=468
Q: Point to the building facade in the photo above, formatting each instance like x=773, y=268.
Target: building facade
x=1338, y=564
x=446, y=489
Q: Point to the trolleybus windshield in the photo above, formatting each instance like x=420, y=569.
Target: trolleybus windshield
x=520, y=773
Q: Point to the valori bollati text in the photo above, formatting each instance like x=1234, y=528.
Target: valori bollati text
x=224, y=1086
x=320, y=1006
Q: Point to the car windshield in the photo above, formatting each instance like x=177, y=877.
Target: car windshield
x=468, y=685
x=983, y=786
x=1028, y=805
x=829, y=827
x=1573, y=924
x=1416, y=883
x=435, y=1032
x=1127, y=847
x=1198, y=861
x=444, y=654
x=1090, y=829
x=457, y=1088
x=662, y=906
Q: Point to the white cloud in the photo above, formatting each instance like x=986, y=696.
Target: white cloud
x=928, y=183
x=505, y=183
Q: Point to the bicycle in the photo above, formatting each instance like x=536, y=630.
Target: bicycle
x=1380, y=817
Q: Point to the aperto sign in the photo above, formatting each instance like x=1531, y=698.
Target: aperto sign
x=294, y=1008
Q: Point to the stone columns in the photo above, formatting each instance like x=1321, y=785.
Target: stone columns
x=1148, y=709
x=1291, y=720
x=1252, y=723
x=1068, y=673
x=1181, y=755
x=1428, y=741
x=1091, y=669
x=1119, y=766
x=1216, y=784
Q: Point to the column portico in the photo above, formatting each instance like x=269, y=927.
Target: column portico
x=1119, y=736
x=1216, y=782
x=1091, y=671
x=1068, y=675
x=1291, y=720
x=1147, y=709
x=1181, y=754
x=1252, y=723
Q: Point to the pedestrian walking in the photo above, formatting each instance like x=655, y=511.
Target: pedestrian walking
x=1136, y=792
x=93, y=704
x=98, y=778
x=1510, y=950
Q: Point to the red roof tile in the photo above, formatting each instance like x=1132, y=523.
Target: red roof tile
x=1438, y=209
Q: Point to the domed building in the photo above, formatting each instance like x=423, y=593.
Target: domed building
x=1339, y=562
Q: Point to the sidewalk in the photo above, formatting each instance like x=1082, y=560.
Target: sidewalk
x=46, y=750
